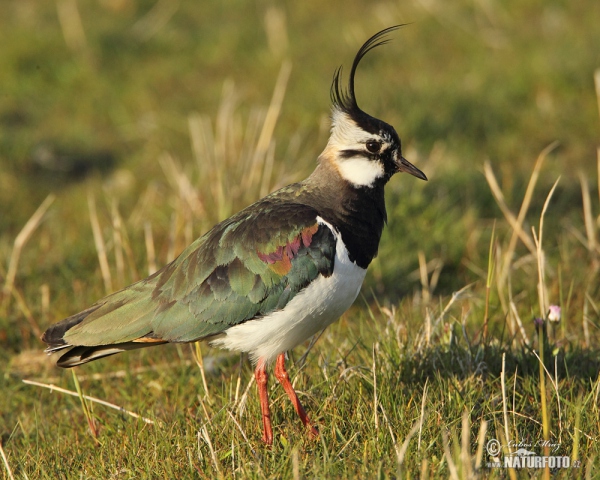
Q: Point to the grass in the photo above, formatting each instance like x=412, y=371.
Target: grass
x=133, y=127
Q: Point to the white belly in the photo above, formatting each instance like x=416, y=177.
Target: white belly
x=311, y=310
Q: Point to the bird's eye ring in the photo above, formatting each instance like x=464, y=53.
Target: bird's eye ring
x=373, y=146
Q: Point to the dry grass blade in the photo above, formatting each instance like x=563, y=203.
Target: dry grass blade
x=516, y=223
x=598, y=170
x=530, y=189
x=465, y=447
x=348, y=443
x=276, y=30
x=504, y=405
x=26, y=312
x=236, y=157
x=480, y=444
x=71, y=25
x=423, y=401
x=125, y=373
x=488, y=284
x=197, y=354
x=401, y=452
x=91, y=399
x=6, y=464
x=181, y=184
x=590, y=229
x=552, y=381
x=150, y=250
x=266, y=134
x=597, y=84
x=302, y=361
x=265, y=182
x=117, y=225
x=448, y=455
x=375, y=402
x=86, y=409
x=156, y=18
x=295, y=465
x=21, y=240
x=244, y=398
x=542, y=290
x=239, y=427
x=577, y=430
x=45, y=300
x=100, y=246
x=510, y=217
x=513, y=309
x=426, y=292
x=455, y=297
x=203, y=433
x=503, y=441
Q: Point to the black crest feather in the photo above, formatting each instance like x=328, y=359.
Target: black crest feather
x=346, y=99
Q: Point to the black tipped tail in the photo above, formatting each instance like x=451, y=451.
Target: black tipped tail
x=55, y=334
x=78, y=355
x=73, y=355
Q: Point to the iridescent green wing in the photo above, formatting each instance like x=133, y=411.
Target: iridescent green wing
x=245, y=267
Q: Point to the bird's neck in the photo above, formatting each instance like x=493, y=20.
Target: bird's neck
x=357, y=213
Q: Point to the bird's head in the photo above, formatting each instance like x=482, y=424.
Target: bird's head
x=366, y=151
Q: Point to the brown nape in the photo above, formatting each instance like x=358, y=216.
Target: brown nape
x=326, y=177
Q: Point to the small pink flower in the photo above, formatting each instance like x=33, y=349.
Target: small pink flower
x=554, y=313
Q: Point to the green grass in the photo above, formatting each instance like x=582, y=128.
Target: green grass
x=156, y=113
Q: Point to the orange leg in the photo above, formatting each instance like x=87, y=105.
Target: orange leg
x=262, y=380
x=284, y=379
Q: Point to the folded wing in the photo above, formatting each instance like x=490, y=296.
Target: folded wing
x=245, y=267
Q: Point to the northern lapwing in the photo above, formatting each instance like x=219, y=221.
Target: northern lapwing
x=271, y=276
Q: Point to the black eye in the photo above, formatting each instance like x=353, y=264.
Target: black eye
x=373, y=146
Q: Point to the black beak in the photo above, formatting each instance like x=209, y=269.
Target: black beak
x=405, y=166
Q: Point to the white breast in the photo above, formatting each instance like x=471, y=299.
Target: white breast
x=311, y=310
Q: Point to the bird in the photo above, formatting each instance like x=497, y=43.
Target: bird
x=271, y=276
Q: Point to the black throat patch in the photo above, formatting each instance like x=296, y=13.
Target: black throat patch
x=357, y=213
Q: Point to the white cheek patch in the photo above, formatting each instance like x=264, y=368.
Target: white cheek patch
x=360, y=171
x=346, y=135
